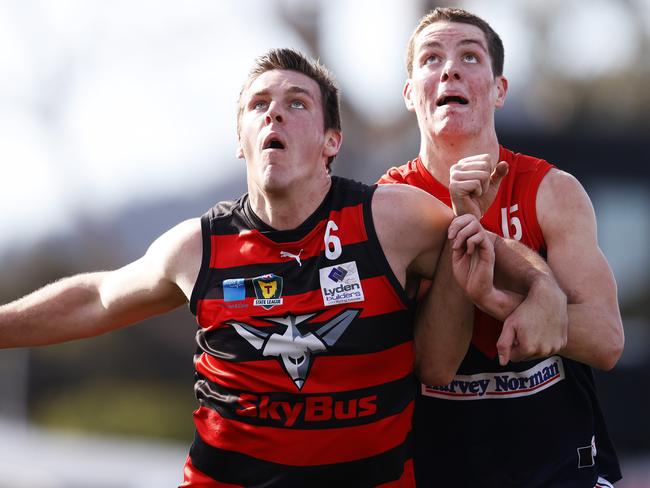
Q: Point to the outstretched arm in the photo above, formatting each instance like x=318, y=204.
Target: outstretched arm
x=91, y=304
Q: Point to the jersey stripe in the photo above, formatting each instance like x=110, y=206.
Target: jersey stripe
x=225, y=343
x=196, y=479
x=297, y=447
x=253, y=248
x=292, y=273
x=308, y=411
x=328, y=373
x=215, y=311
x=223, y=465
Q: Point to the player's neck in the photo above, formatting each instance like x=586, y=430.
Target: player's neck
x=439, y=154
x=287, y=210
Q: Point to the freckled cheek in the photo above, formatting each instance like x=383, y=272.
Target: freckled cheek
x=428, y=87
x=247, y=143
x=423, y=96
x=481, y=88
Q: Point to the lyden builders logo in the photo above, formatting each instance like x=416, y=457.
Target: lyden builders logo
x=341, y=284
x=268, y=290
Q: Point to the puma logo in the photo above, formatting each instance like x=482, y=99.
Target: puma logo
x=285, y=254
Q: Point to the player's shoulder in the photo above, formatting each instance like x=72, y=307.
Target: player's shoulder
x=180, y=238
x=402, y=192
x=177, y=252
x=400, y=174
x=408, y=205
x=558, y=183
x=408, y=219
x=561, y=188
x=562, y=201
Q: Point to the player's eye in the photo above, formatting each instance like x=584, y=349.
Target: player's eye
x=470, y=58
x=433, y=59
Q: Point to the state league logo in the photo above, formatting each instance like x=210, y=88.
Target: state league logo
x=268, y=291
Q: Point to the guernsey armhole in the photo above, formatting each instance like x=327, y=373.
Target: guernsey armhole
x=202, y=278
x=380, y=256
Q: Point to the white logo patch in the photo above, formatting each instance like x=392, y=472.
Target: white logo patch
x=502, y=385
x=340, y=284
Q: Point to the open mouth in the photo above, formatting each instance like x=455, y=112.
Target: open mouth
x=449, y=99
x=273, y=144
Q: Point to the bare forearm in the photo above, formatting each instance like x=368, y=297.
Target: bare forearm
x=499, y=303
x=518, y=267
x=443, y=327
x=520, y=274
x=595, y=337
x=59, y=312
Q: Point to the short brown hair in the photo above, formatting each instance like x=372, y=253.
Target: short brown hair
x=440, y=14
x=289, y=59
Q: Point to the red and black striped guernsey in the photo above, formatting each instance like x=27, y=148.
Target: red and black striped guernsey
x=304, y=362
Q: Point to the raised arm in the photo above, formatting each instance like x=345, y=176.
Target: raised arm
x=91, y=304
x=535, y=319
x=412, y=229
x=474, y=182
x=567, y=219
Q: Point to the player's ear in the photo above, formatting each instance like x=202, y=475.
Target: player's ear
x=502, y=90
x=333, y=141
x=240, y=152
x=406, y=93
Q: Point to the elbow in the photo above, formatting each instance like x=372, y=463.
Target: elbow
x=608, y=360
x=434, y=374
x=612, y=353
x=613, y=349
x=439, y=378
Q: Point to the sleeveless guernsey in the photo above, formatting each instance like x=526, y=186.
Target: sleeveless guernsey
x=529, y=424
x=304, y=360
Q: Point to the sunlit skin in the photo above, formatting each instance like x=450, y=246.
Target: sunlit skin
x=285, y=106
x=452, y=59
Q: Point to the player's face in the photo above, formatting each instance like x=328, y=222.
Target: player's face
x=282, y=136
x=452, y=89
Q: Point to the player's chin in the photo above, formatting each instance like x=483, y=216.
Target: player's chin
x=280, y=180
x=451, y=125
